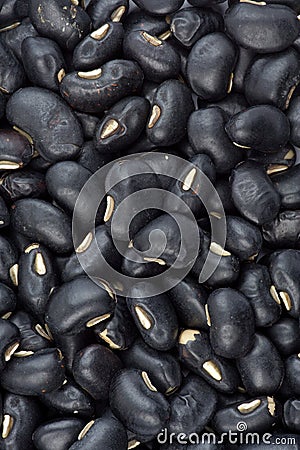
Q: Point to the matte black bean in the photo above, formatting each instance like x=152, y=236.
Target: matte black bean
x=9, y=341
x=244, y=60
x=275, y=162
x=122, y=124
x=137, y=404
x=262, y=369
x=259, y=415
x=292, y=373
x=100, y=11
x=15, y=35
x=43, y=62
x=8, y=262
x=15, y=150
x=243, y=238
x=12, y=75
x=287, y=184
x=34, y=374
x=88, y=123
x=8, y=12
x=8, y=301
x=189, y=299
x=253, y=193
x=40, y=220
x=283, y=231
x=155, y=318
x=206, y=134
x=196, y=354
x=19, y=184
x=71, y=344
x=284, y=270
x=100, y=46
x=78, y=304
x=262, y=28
x=47, y=121
x=262, y=127
x=291, y=414
x=57, y=433
x=171, y=107
x=69, y=399
x=232, y=104
x=139, y=20
x=33, y=336
x=190, y=24
x=106, y=432
x=39, y=164
x=192, y=407
x=158, y=59
x=94, y=368
x=285, y=335
x=255, y=283
x=98, y=90
x=272, y=79
x=21, y=417
x=293, y=114
x=162, y=368
x=210, y=66
x=91, y=159
x=59, y=20
x=156, y=7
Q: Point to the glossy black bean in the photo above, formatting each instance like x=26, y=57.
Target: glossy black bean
x=285, y=335
x=206, y=134
x=9, y=341
x=293, y=114
x=59, y=20
x=139, y=20
x=253, y=193
x=51, y=125
x=8, y=262
x=100, y=11
x=122, y=124
x=156, y=7
x=15, y=150
x=262, y=369
x=287, y=185
x=192, y=407
x=8, y=301
x=244, y=60
x=155, y=318
x=137, y=404
x=292, y=373
x=43, y=62
x=71, y=344
x=78, y=304
x=283, y=231
x=106, y=432
x=204, y=2
x=255, y=283
x=40, y=220
x=231, y=321
x=190, y=24
x=232, y=104
x=33, y=336
x=12, y=75
x=34, y=374
x=275, y=162
x=284, y=270
x=264, y=128
x=171, y=107
x=293, y=4
x=19, y=184
x=262, y=28
x=4, y=214
x=196, y=354
x=162, y=368
x=158, y=59
x=100, y=46
x=69, y=400
x=272, y=79
x=259, y=415
x=14, y=36
x=189, y=299
x=91, y=159
x=94, y=368
x=22, y=415
x=243, y=238
x=98, y=90
x=58, y=433
x=210, y=66
x=291, y=415
x=118, y=332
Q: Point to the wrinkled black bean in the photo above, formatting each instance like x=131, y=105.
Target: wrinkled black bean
x=283, y=231
x=19, y=184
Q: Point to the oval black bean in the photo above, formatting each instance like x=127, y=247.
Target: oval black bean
x=57, y=433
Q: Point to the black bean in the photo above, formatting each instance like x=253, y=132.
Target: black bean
x=158, y=59
x=253, y=193
x=10, y=341
x=275, y=162
x=4, y=214
x=255, y=283
x=122, y=124
x=137, y=404
x=8, y=262
x=283, y=231
x=43, y=62
x=58, y=434
x=245, y=57
x=64, y=22
x=292, y=373
x=15, y=150
x=88, y=123
x=156, y=7
x=243, y=238
x=8, y=301
x=40, y=220
x=204, y=2
x=287, y=185
x=139, y=20
x=262, y=369
x=210, y=66
x=33, y=336
x=71, y=344
x=232, y=104
x=78, y=304
x=291, y=415
x=12, y=75
x=285, y=335
x=19, y=184
x=262, y=28
x=90, y=158
x=171, y=107
x=8, y=12
x=14, y=36
x=293, y=4
x=35, y=374
x=100, y=11
x=293, y=116
x=99, y=89
x=47, y=121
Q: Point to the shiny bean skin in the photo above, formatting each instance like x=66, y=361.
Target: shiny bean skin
x=60, y=433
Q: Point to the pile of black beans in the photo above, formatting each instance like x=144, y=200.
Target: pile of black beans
x=83, y=83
